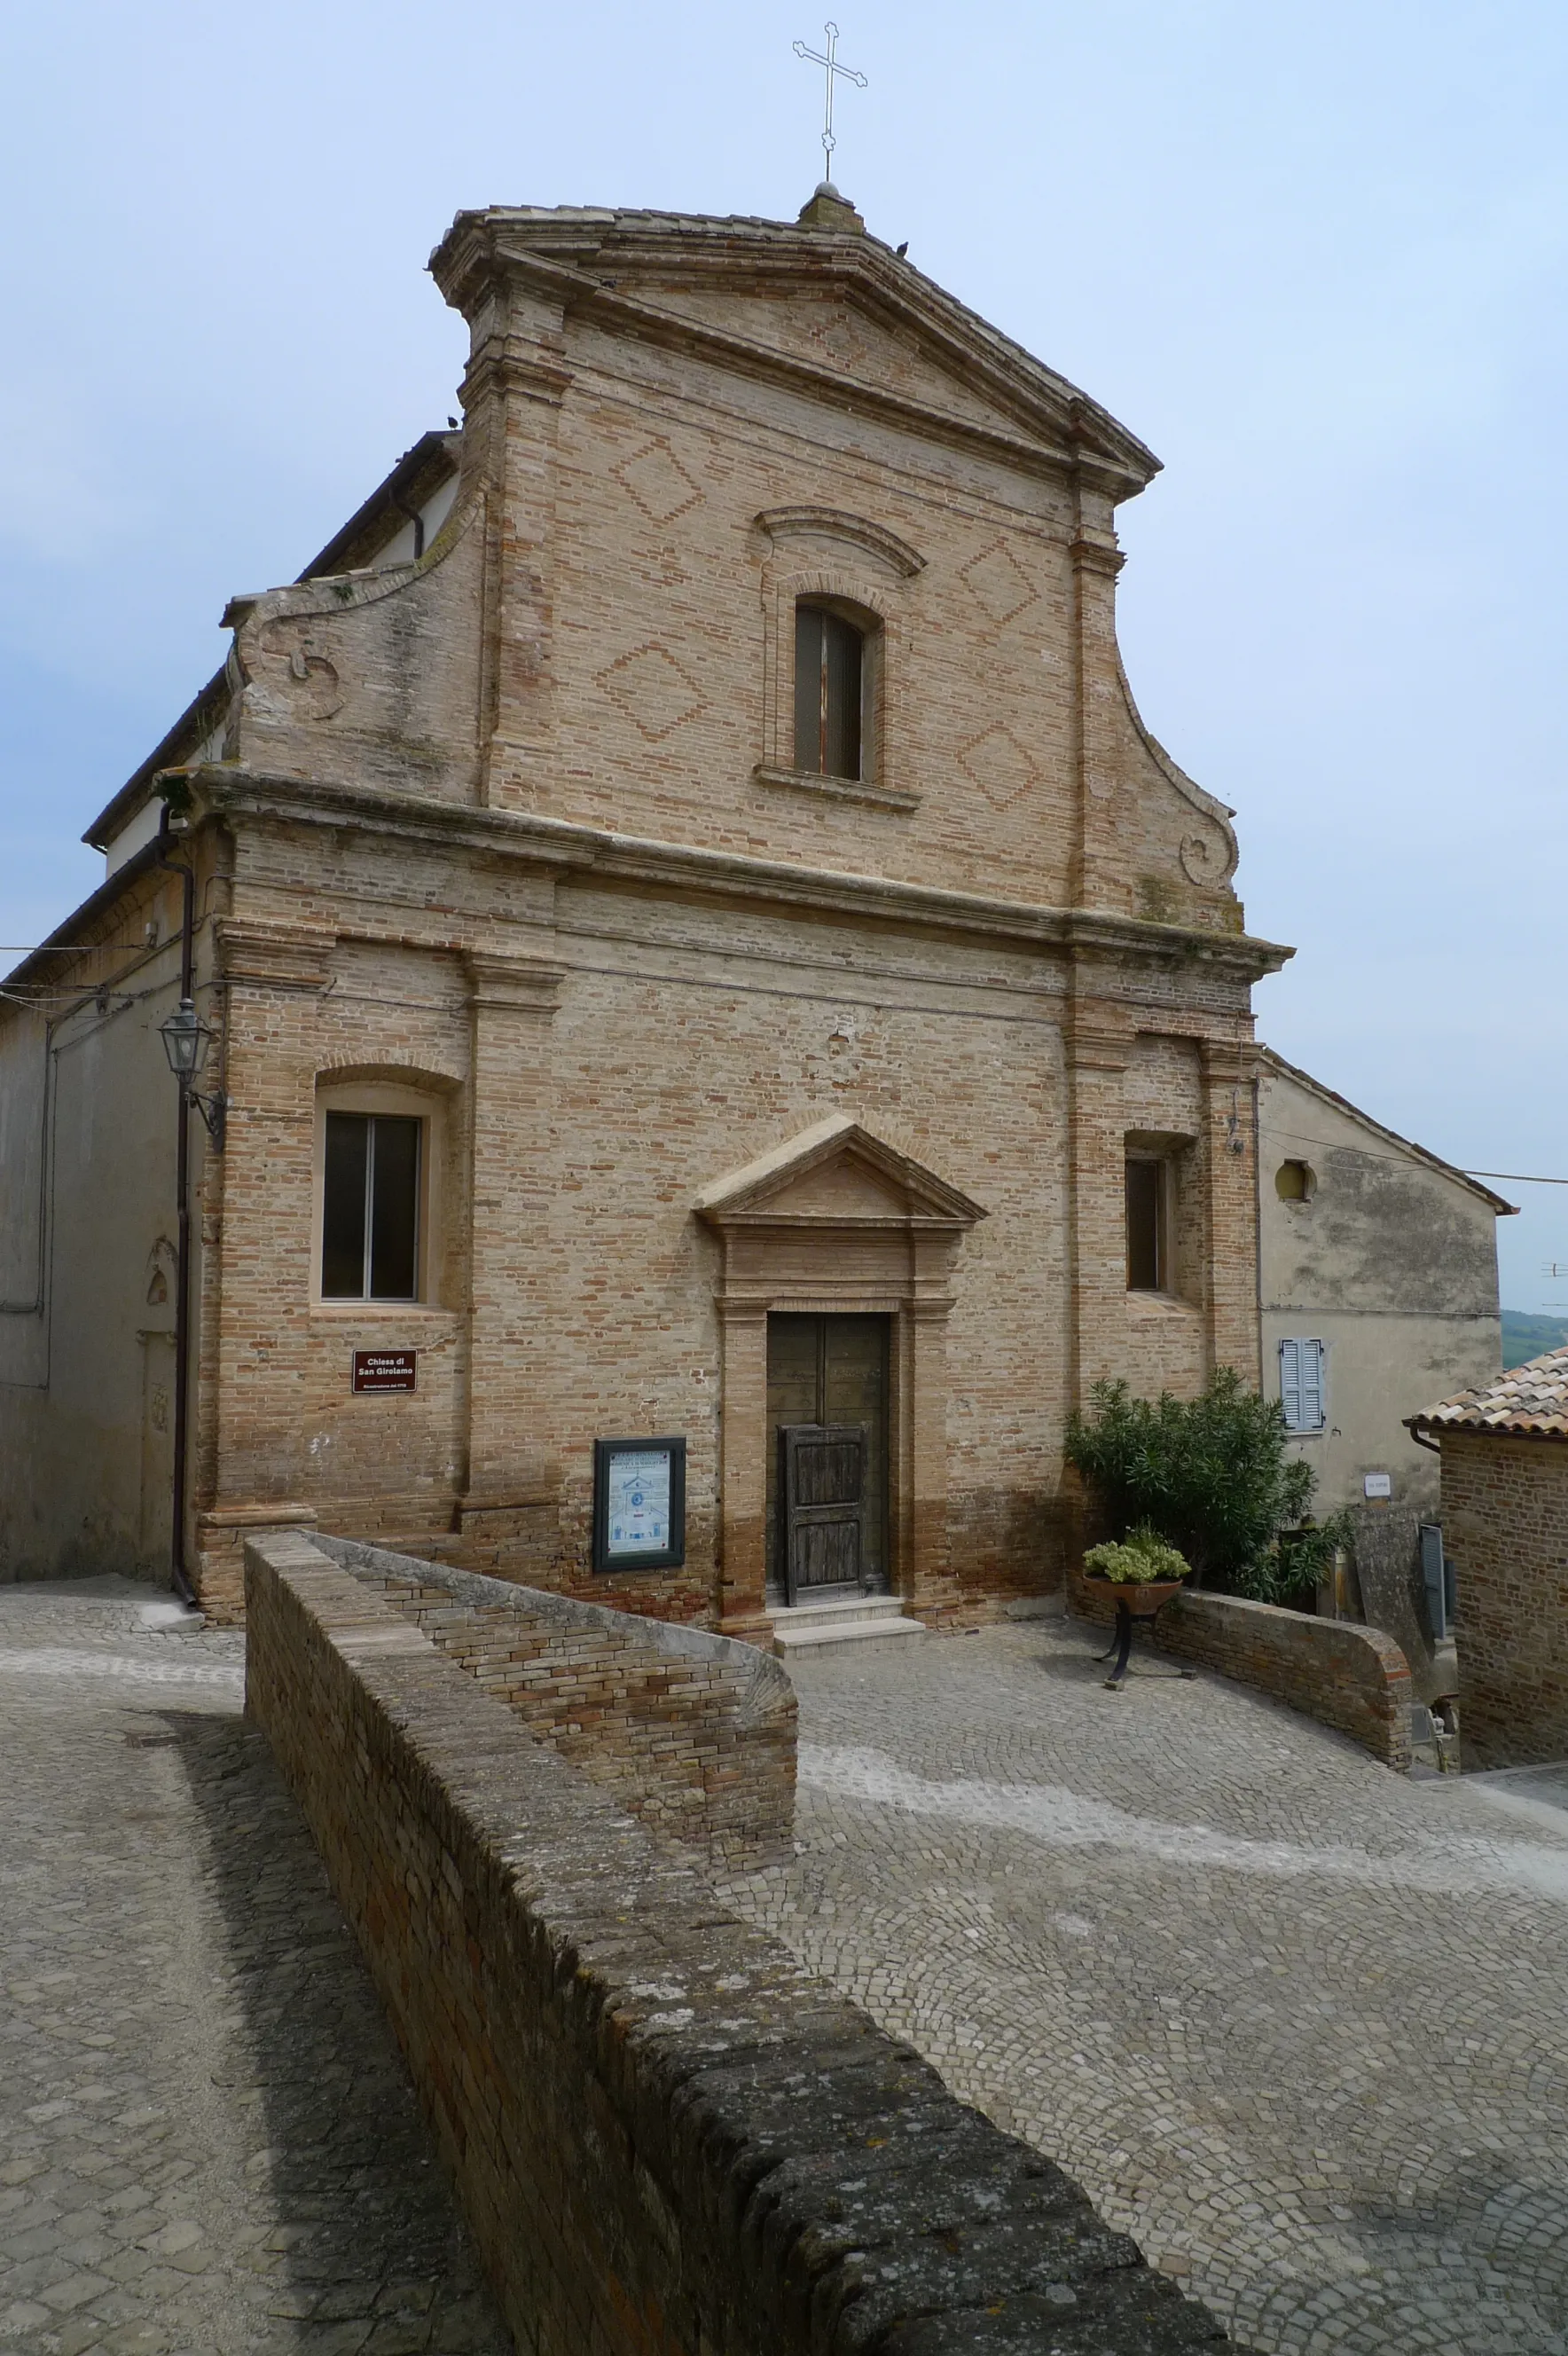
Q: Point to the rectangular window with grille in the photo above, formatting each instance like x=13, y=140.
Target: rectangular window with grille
x=829, y=686
x=370, y=1207
x=1303, y=1390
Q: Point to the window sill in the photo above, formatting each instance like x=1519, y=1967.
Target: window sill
x=834, y=789
x=336, y=1312
x=1160, y=1304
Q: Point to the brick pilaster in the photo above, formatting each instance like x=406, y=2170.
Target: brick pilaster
x=1228, y=1174
x=1099, y=1044
x=512, y=392
x=513, y=1394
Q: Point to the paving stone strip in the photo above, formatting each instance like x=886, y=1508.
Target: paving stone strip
x=207, y=2139
x=1298, y=2024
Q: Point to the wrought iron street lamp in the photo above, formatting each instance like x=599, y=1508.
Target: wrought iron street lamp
x=187, y=1040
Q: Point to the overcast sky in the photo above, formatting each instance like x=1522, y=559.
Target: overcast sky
x=1314, y=256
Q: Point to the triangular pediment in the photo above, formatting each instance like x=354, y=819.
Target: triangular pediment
x=834, y=306
x=834, y=331
x=837, y=1173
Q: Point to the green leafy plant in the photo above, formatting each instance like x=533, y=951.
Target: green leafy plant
x=1141, y=1556
x=1211, y=1477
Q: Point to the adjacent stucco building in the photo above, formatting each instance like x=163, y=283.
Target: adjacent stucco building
x=1504, y=1450
x=1378, y=1287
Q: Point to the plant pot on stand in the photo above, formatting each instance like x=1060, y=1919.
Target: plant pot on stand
x=1135, y=1599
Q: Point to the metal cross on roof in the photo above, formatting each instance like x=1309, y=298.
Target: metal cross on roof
x=830, y=66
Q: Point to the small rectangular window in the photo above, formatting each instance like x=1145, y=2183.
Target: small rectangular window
x=1303, y=1392
x=370, y=1195
x=1145, y=1226
x=829, y=667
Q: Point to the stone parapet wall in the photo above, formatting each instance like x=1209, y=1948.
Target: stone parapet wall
x=669, y=2140
x=694, y=1733
x=1345, y=1676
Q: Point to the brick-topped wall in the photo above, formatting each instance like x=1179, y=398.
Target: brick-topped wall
x=1505, y=1520
x=669, y=2140
x=1345, y=1676
x=696, y=1733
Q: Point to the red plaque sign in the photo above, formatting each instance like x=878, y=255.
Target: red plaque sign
x=386, y=1370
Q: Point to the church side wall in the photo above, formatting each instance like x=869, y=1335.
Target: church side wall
x=86, y=1342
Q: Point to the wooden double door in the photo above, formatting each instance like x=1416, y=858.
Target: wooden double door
x=828, y=1458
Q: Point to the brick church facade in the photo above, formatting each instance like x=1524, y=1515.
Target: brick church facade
x=699, y=940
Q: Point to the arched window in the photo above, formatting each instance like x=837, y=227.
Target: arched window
x=829, y=687
x=1295, y=1183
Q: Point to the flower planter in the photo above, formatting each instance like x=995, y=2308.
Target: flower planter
x=1141, y=1597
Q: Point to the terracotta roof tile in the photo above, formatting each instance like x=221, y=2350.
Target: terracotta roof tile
x=1528, y=1402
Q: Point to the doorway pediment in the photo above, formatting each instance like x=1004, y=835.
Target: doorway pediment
x=837, y=1173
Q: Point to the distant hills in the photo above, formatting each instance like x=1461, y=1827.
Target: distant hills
x=1531, y=1337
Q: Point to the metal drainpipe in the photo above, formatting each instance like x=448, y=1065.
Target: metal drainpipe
x=182, y=1586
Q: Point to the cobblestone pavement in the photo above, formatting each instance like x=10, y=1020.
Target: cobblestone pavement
x=208, y=2141
x=1298, y=2024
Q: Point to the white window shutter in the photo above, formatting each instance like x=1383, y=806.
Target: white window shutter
x=1312, y=1415
x=1301, y=1385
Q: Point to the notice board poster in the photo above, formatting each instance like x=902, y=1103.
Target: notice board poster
x=639, y=1504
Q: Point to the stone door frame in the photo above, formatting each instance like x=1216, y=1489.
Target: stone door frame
x=836, y=1223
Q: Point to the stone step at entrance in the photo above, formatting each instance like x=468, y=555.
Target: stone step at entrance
x=863, y=1620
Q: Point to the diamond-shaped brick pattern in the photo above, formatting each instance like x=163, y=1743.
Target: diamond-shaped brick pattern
x=657, y=694
x=998, y=583
x=660, y=485
x=998, y=764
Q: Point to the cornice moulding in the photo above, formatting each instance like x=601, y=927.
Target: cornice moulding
x=271, y=955
x=1066, y=433
x=572, y=850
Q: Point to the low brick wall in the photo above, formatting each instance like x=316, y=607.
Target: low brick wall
x=1505, y=1520
x=670, y=2141
x=1347, y=1676
x=696, y=1733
